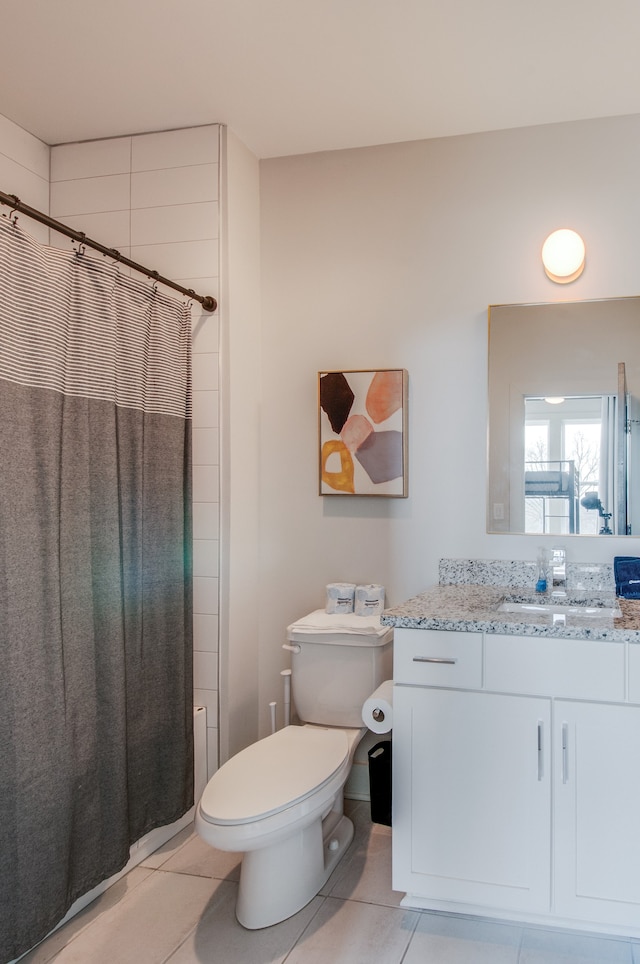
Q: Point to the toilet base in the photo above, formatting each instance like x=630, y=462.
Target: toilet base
x=276, y=882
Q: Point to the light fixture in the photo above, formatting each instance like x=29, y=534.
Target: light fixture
x=563, y=256
x=554, y=399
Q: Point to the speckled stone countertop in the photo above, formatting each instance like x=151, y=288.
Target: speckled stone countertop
x=474, y=608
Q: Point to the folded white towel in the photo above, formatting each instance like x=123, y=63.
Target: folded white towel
x=321, y=622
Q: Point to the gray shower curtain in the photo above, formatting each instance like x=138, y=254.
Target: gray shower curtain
x=96, y=744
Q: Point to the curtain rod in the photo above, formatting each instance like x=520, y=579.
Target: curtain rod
x=10, y=200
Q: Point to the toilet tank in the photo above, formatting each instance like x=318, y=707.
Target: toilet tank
x=334, y=673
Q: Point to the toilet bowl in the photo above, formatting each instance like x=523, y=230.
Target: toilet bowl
x=280, y=803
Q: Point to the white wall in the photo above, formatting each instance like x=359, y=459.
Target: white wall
x=388, y=257
x=240, y=423
x=154, y=197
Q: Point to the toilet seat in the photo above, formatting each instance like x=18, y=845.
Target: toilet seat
x=274, y=774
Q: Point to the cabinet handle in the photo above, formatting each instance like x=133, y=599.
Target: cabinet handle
x=565, y=752
x=540, y=751
x=434, y=659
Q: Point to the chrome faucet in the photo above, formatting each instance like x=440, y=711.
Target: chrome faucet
x=558, y=572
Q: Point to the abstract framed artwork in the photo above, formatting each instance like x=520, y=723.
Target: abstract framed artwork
x=362, y=425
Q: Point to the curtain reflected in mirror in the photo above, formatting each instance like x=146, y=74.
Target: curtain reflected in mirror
x=563, y=430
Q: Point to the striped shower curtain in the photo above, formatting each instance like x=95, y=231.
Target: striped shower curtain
x=96, y=741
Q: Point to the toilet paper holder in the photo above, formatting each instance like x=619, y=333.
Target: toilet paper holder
x=377, y=709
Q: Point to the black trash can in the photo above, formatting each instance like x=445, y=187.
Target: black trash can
x=380, y=782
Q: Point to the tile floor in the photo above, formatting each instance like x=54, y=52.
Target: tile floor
x=178, y=908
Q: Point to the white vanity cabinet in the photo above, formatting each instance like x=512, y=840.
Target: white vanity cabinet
x=471, y=820
x=517, y=785
x=596, y=810
x=471, y=815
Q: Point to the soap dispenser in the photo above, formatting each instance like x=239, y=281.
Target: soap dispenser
x=543, y=567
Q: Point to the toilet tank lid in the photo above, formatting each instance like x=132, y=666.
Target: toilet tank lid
x=344, y=628
x=274, y=773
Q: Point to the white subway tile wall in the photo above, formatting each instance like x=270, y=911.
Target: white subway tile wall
x=110, y=228
x=205, y=440
x=91, y=159
x=205, y=558
x=202, y=185
x=24, y=171
x=205, y=633
x=205, y=483
x=169, y=149
x=178, y=259
x=154, y=197
x=206, y=519
x=91, y=195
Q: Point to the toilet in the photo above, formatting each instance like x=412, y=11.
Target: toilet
x=279, y=802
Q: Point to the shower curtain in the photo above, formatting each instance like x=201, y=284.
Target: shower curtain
x=96, y=744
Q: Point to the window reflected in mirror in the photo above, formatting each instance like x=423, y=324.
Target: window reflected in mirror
x=564, y=442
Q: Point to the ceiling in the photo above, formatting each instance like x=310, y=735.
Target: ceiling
x=296, y=76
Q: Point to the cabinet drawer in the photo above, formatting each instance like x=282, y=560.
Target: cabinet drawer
x=574, y=668
x=433, y=657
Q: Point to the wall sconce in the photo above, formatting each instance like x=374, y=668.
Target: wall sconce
x=563, y=255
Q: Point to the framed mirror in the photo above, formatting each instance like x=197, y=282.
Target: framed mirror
x=564, y=418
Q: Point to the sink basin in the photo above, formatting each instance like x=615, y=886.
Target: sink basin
x=561, y=609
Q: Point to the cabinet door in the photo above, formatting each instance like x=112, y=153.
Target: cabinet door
x=471, y=798
x=597, y=811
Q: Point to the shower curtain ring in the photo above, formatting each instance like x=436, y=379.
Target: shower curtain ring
x=80, y=250
x=13, y=213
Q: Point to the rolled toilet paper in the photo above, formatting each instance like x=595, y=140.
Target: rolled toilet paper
x=340, y=597
x=369, y=600
x=377, y=710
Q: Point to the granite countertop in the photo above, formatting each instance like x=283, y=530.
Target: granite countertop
x=474, y=608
